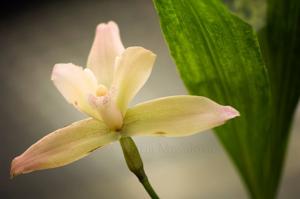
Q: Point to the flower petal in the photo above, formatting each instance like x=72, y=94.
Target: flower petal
x=75, y=84
x=63, y=146
x=176, y=116
x=106, y=47
x=134, y=67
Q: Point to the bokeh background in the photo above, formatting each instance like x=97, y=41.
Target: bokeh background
x=37, y=34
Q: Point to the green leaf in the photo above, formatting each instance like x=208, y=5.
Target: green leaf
x=280, y=41
x=218, y=56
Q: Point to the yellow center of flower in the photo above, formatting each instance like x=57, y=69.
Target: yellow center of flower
x=101, y=91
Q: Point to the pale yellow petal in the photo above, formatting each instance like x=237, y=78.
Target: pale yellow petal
x=106, y=47
x=176, y=116
x=63, y=146
x=133, y=69
x=75, y=84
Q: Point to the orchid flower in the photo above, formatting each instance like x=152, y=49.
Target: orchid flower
x=103, y=90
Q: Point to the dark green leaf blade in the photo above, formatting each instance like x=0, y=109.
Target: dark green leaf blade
x=280, y=41
x=218, y=56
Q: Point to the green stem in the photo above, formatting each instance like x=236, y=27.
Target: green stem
x=135, y=164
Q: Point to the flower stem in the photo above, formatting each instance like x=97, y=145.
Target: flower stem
x=135, y=164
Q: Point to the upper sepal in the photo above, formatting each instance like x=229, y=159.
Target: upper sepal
x=106, y=47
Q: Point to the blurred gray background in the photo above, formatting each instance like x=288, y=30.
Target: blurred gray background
x=34, y=37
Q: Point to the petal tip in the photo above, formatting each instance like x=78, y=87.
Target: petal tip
x=54, y=71
x=58, y=69
x=100, y=27
x=20, y=165
x=14, y=169
x=142, y=50
x=229, y=112
x=111, y=25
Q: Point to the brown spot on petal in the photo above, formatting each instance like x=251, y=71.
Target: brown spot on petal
x=160, y=133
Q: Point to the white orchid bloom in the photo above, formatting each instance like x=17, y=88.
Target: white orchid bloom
x=103, y=90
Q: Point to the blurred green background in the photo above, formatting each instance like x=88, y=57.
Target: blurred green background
x=36, y=35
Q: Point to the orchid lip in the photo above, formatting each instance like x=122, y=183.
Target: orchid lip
x=108, y=110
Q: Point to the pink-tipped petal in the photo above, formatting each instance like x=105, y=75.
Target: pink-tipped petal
x=229, y=112
x=106, y=47
x=176, y=116
x=63, y=146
